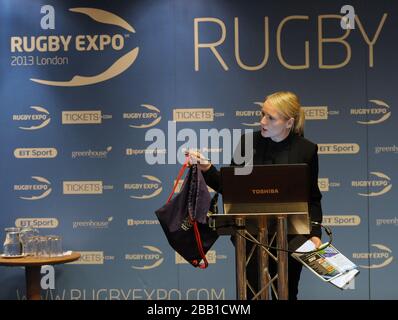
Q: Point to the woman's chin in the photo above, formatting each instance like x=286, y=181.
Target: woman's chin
x=264, y=134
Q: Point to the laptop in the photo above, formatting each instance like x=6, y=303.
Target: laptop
x=269, y=190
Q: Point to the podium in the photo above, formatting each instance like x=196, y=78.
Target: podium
x=273, y=199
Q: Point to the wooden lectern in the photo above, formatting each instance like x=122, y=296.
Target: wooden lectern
x=272, y=199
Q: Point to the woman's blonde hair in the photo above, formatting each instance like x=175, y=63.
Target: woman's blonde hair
x=288, y=105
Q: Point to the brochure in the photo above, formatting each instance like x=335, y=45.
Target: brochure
x=329, y=264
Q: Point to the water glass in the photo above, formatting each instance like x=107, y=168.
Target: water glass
x=55, y=245
x=12, y=245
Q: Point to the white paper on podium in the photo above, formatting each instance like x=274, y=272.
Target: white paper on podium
x=329, y=264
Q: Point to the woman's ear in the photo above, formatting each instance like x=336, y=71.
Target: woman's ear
x=290, y=123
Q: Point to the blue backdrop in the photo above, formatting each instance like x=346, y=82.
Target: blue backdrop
x=80, y=88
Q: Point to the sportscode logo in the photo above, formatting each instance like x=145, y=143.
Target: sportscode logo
x=81, y=43
x=378, y=259
x=381, y=113
x=149, y=118
x=43, y=117
x=377, y=187
x=136, y=152
x=137, y=222
x=155, y=185
x=41, y=190
x=150, y=259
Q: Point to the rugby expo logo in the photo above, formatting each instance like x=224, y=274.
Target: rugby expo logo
x=373, y=114
x=145, y=119
x=251, y=114
x=151, y=258
x=81, y=43
x=37, y=191
x=40, y=119
x=380, y=258
x=380, y=185
x=154, y=184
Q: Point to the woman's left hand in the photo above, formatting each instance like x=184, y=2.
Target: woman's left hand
x=317, y=241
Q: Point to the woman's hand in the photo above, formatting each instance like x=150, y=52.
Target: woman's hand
x=195, y=157
x=317, y=242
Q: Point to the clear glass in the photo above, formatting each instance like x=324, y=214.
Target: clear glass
x=12, y=245
x=55, y=245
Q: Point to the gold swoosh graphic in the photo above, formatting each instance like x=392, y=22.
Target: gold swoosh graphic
x=120, y=65
x=380, y=175
x=152, y=195
x=43, y=195
x=255, y=124
x=375, y=194
x=377, y=266
x=104, y=17
x=381, y=247
x=156, y=264
x=41, y=179
x=153, y=249
x=383, y=118
x=153, y=123
x=152, y=178
x=42, y=125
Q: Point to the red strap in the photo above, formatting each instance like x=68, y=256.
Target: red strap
x=179, y=177
x=200, y=246
x=194, y=222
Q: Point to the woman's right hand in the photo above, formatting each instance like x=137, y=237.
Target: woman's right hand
x=195, y=157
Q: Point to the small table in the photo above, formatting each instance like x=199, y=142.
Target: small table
x=32, y=270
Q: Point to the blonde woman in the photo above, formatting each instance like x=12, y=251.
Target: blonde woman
x=280, y=140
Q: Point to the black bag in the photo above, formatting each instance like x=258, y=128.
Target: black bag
x=184, y=218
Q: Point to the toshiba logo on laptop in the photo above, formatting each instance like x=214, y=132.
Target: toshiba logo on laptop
x=265, y=191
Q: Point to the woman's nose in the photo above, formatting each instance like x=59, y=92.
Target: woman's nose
x=263, y=120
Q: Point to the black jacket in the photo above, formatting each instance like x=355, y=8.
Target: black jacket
x=301, y=150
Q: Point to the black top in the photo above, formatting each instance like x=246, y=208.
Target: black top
x=293, y=149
